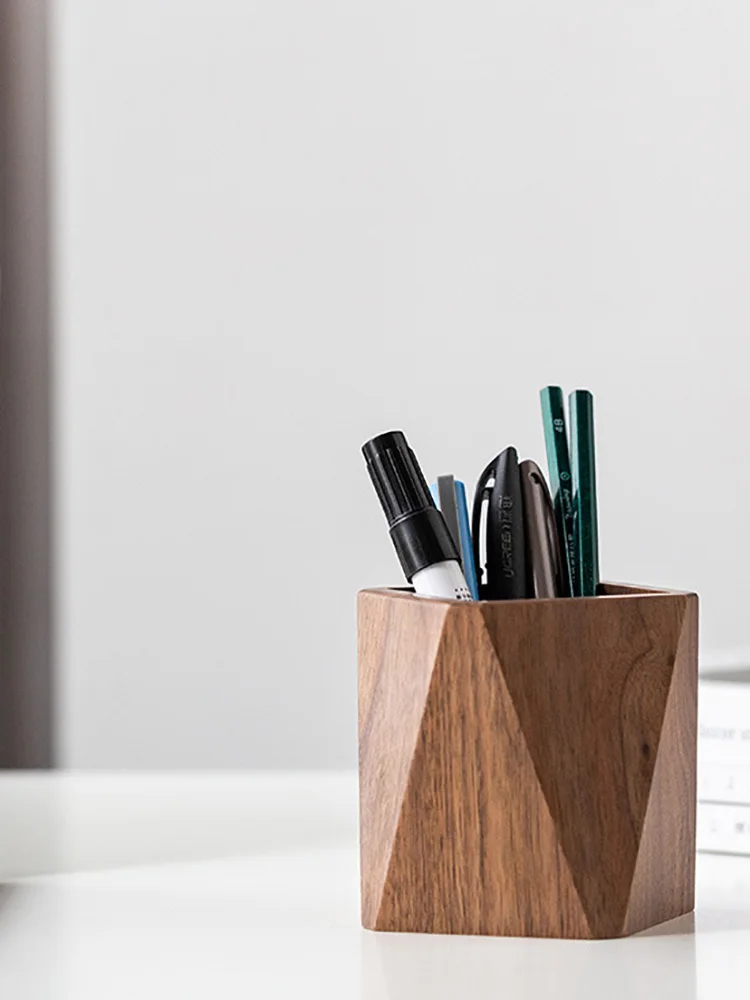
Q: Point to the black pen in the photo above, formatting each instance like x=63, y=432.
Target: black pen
x=505, y=534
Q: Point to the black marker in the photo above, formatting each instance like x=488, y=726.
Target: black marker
x=424, y=546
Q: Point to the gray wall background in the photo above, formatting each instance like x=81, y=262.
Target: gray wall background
x=280, y=228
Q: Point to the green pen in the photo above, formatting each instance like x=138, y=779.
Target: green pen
x=581, y=404
x=560, y=479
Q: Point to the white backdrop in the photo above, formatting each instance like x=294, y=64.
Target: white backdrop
x=282, y=227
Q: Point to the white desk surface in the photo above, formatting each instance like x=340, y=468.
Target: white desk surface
x=246, y=885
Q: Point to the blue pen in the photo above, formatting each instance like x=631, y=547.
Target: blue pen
x=467, y=549
x=449, y=495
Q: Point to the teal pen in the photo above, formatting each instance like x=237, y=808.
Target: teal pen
x=560, y=479
x=581, y=404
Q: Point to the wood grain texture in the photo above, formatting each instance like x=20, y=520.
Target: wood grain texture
x=398, y=643
x=654, y=895
x=527, y=767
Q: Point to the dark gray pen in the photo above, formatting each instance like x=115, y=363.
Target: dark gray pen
x=447, y=496
x=543, y=558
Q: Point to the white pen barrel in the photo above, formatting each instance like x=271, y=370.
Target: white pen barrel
x=443, y=579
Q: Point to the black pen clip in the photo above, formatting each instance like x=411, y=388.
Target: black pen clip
x=482, y=495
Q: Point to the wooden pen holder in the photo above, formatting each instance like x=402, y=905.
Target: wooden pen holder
x=527, y=767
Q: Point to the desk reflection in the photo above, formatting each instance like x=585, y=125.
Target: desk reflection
x=655, y=965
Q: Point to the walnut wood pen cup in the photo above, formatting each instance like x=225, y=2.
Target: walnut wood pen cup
x=527, y=767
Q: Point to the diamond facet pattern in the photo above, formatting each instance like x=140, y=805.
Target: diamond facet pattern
x=527, y=767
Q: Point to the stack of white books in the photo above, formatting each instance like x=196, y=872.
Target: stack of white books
x=724, y=762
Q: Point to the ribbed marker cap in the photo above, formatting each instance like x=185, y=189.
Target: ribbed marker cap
x=416, y=526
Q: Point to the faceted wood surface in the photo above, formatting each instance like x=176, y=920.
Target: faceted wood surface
x=527, y=767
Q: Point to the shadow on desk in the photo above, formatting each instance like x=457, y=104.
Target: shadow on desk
x=680, y=925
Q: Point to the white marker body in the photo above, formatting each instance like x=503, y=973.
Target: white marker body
x=443, y=579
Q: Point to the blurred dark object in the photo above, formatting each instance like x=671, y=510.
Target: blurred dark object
x=26, y=738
